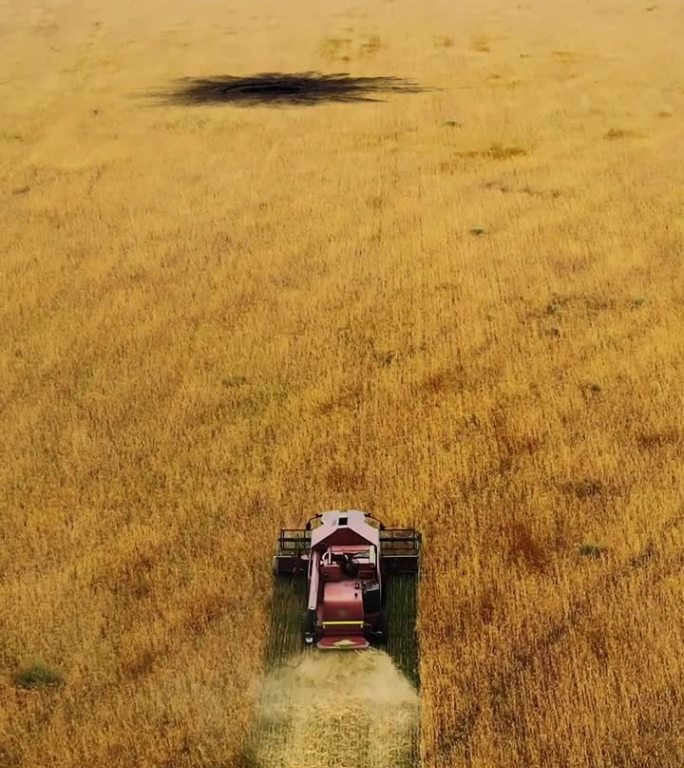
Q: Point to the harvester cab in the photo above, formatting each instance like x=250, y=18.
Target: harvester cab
x=348, y=560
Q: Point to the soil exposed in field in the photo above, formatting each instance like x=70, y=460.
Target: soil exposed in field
x=339, y=710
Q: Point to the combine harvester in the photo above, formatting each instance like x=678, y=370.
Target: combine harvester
x=345, y=582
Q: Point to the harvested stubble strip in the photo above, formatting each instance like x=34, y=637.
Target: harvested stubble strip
x=339, y=710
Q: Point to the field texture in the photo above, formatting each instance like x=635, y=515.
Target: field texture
x=452, y=296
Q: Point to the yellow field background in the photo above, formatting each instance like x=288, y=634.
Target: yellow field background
x=218, y=320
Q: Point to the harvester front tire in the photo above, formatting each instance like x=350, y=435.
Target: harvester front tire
x=383, y=628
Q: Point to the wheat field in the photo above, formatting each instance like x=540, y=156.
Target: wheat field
x=456, y=304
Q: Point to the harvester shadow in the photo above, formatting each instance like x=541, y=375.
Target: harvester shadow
x=279, y=89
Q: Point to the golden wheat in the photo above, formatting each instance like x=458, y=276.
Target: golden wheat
x=459, y=309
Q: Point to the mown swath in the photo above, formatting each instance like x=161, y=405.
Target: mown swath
x=284, y=642
x=402, y=645
x=340, y=709
x=402, y=610
x=287, y=607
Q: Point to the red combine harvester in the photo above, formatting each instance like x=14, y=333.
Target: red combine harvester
x=348, y=559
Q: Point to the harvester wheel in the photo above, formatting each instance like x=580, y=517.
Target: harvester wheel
x=381, y=633
x=384, y=626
